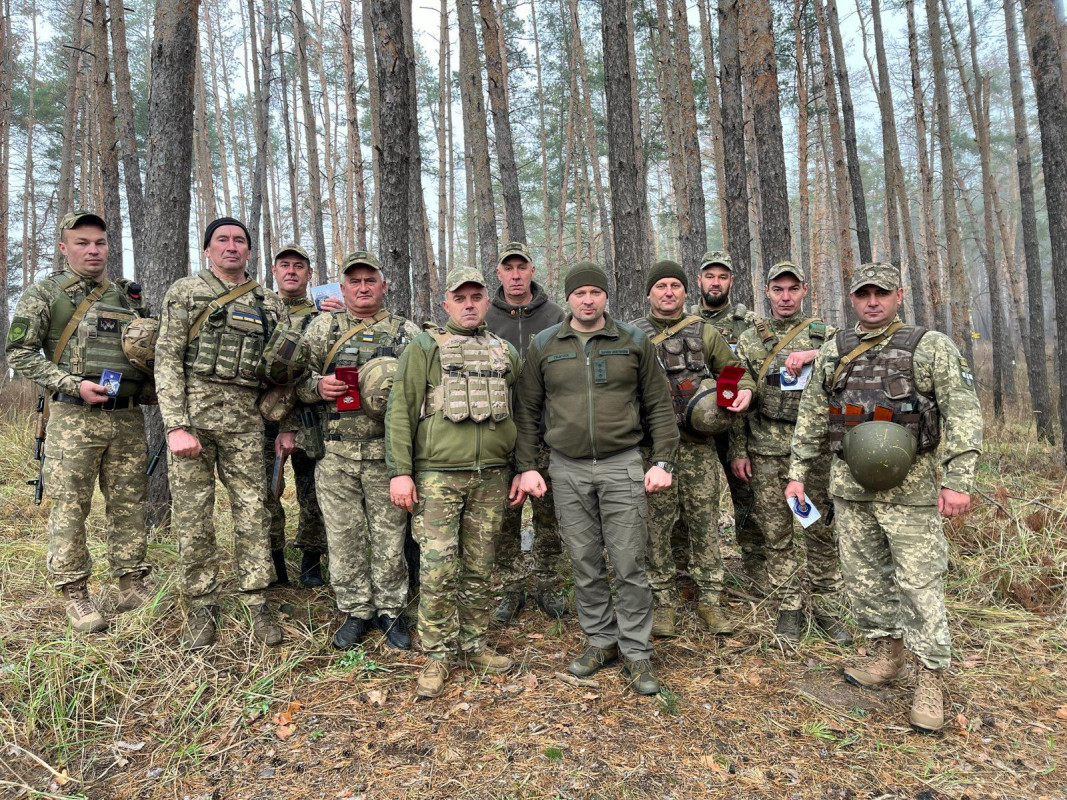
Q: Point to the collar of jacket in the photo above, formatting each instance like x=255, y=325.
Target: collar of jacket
x=610, y=329
x=452, y=327
x=865, y=334
x=537, y=299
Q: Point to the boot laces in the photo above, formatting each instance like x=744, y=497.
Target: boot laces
x=927, y=691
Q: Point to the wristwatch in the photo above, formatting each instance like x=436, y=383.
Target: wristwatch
x=666, y=466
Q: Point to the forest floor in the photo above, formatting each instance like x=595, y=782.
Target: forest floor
x=129, y=714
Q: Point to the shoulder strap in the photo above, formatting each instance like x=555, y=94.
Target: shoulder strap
x=863, y=347
x=793, y=333
x=79, y=313
x=362, y=326
x=217, y=303
x=673, y=329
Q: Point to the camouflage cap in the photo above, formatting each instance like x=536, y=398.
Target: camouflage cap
x=76, y=218
x=884, y=276
x=513, y=249
x=292, y=248
x=361, y=258
x=786, y=267
x=717, y=258
x=461, y=275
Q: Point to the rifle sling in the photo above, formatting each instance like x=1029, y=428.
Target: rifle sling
x=793, y=333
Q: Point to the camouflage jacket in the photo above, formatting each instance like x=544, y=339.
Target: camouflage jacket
x=320, y=337
x=186, y=399
x=731, y=320
x=941, y=372
x=761, y=434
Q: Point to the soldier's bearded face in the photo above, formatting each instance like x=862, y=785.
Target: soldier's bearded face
x=363, y=291
x=292, y=273
x=228, y=250
x=515, y=275
x=667, y=297
x=875, y=307
x=715, y=283
x=785, y=294
x=467, y=305
x=85, y=249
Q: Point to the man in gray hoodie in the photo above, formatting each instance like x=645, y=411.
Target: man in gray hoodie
x=519, y=310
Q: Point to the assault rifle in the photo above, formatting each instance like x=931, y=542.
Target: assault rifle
x=38, y=450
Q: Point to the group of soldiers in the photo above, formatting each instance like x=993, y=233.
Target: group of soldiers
x=866, y=435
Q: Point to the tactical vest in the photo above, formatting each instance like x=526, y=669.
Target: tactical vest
x=472, y=385
x=96, y=344
x=383, y=338
x=229, y=346
x=682, y=358
x=301, y=314
x=774, y=403
x=880, y=385
x=727, y=325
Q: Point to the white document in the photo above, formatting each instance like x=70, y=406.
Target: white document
x=806, y=514
x=794, y=383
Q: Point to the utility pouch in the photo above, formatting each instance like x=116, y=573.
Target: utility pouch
x=457, y=405
x=478, y=398
x=311, y=428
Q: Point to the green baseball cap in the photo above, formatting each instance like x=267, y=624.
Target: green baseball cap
x=292, y=248
x=786, y=267
x=513, y=249
x=461, y=275
x=360, y=258
x=717, y=258
x=884, y=276
x=76, y=218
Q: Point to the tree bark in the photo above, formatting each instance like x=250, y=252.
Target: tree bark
x=29, y=208
x=545, y=207
x=216, y=103
x=714, y=113
x=802, y=138
x=68, y=152
x=690, y=141
x=107, y=140
x=374, y=98
x=261, y=79
x=355, y=184
x=318, y=235
x=6, y=74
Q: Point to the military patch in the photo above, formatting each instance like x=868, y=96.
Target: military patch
x=560, y=357
x=239, y=315
x=817, y=330
x=624, y=351
x=600, y=371
x=107, y=325
x=965, y=373
x=368, y=336
x=17, y=331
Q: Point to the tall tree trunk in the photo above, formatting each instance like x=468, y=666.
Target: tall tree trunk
x=300, y=37
x=444, y=86
x=68, y=152
x=290, y=154
x=374, y=98
x=714, y=112
x=29, y=194
x=474, y=129
x=690, y=141
x=261, y=80
x=227, y=89
x=203, y=148
x=802, y=138
x=336, y=222
x=629, y=206
x=545, y=207
x=391, y=58
x=216, y=102
x=106, y=140
x=1035, y=290
x=6, y=73
x=355, y=180
x=733, y=139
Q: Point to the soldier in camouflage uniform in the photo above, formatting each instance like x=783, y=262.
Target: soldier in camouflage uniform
x=715, y=280
x=759, y=451
x=689, y=349
x=449, y=436
x=893, y=552
x=292, y=271
x=212, y=331
x=366, y=531
x=519, y=310
x=91, y=436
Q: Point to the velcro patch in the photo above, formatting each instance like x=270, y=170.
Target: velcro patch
x=620, y=352
x=966, y=375
x=560, y=357
x=238, y=315
x=17, y=332
x=107, y=325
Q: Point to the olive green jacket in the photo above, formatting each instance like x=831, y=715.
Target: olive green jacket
x=599, y=398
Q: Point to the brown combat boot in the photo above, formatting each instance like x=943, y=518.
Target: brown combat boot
x=264, y=626
x=200, y=627
x=927, y=707
x=488, y=660
x=133, y=592
x=431, y=682
x=84, y=616
x=714, y=619
x=878, y=669
x=663, y=623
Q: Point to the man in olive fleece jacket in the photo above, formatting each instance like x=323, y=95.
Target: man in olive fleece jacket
x=598, y=379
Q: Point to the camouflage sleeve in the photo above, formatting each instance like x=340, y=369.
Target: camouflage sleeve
x=718, y=355
x=174, y=322
x=738, y=441
x=953, y=385
x=811, y=431
x=529, y=407
x=25, y=342
x=317, y=337
x=657, y=408
x=405, y=403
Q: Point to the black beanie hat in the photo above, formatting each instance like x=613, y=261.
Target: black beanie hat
x=585, y=273
x=218, y=223
x=666, y=269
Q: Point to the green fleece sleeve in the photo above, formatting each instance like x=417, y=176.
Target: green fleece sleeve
x=405, y=403
x=657, y=408
x=529, y=405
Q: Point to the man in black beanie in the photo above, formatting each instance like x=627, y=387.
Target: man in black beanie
x=598, y=380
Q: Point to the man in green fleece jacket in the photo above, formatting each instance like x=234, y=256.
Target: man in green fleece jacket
x=449, y=434
x=598, y=379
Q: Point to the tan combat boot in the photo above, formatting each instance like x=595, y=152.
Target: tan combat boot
x=431, y=682
x=84, y=616
x=878, y=669
x=133, y=592
x=927, y=707
x=264, y=627
x=663, y=623
x=200, y=627
x=487, y=660
x=714, y=618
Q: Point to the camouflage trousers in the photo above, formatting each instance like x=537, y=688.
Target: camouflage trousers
x=238, y=458
x=368, y=571
x=512, y=567
x=894, y=559
x=455, y=521
x=84, y=447
x=694, y=497
x=311, y=530
x=749, y=537
x=822, y=572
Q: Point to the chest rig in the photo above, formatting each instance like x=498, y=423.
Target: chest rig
x=680, y=351
x=473, y=383
x=774, y=403
x=96, y=342
x=880, y=385
x=377, y=336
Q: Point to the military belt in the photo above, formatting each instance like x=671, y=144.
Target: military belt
x=474, y=373
x=113, y=403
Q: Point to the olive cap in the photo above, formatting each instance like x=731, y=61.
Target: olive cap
x=291, y=248
x=786, y=267
x=513, y=249
x=360, y=258
x=461, y=275
x=884, y=276
x=717, y=258
x=76, y=218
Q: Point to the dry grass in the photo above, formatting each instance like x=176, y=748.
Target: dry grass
x=129, y=714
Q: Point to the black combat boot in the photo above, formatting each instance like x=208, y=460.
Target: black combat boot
x=281, y=574
x=790, y=625
x=395, y=630
x=311, y=570
x=350, y=634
